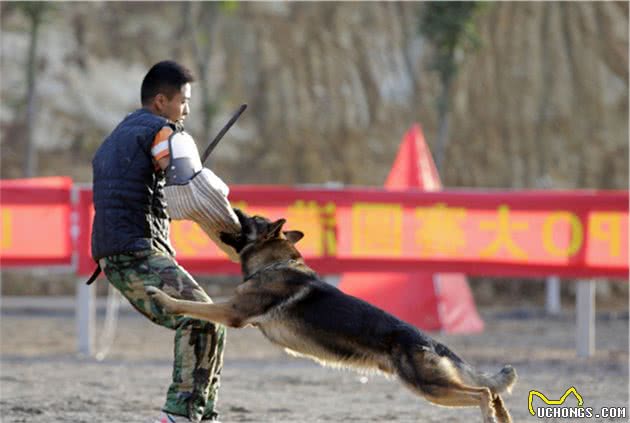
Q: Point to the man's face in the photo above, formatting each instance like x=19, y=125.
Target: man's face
x=176, y=108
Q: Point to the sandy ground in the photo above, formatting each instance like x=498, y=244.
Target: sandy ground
x=42, y=379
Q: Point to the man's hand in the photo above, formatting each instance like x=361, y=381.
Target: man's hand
x=163, y=162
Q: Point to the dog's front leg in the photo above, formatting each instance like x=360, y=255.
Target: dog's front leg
x=223, y=313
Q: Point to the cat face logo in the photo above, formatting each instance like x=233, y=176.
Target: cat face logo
x=571, y=390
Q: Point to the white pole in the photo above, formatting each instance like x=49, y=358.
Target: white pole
x=585, y=315
x=86, y=316
x=553, y=304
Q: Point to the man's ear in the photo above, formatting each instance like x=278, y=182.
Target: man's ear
x=159, y=101
x=293, y=236
x=235, y=241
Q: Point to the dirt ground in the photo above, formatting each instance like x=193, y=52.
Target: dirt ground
x=42, y=379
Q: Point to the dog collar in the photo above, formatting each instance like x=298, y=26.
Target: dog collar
x=273, y=266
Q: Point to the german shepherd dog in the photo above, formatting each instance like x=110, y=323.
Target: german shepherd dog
x=293, y=307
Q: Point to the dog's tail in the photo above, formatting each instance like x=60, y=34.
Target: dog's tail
x=501, y=382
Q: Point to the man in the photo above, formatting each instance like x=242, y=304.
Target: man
x=145, y=164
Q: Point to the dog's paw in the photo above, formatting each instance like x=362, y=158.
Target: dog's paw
x=160, y=297
x=153, y=290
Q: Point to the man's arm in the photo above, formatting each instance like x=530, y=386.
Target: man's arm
x=203, y=198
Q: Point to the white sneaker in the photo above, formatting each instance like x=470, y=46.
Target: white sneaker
x=170, y=418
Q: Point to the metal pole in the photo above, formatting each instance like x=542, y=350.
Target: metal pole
x=585, y=315
x=85, y=302
x=86, y=317
x=553, y=304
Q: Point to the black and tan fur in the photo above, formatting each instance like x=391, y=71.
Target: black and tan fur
x=294, y=308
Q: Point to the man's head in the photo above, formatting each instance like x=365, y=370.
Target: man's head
x=166, y=90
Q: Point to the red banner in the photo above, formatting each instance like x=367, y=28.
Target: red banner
x=477, y=233
x=506, y=233
x=35, y=222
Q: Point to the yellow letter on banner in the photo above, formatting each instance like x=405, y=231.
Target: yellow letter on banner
x=606, y=226
x=189, y=238
x=330, y=226
x=7, y=239
x=503, y=239
x=441, y=231
x=317, y=222
x=577, y=234
x=377, y=229
x=306, y=216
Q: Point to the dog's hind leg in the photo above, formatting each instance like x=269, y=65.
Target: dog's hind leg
x=462, y=396
x=492, y=409
x=503, y=415
x=436, y=378
x=503, y=381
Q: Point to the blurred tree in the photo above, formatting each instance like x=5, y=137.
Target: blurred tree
x=450, y=28
x=202, y=28
x=80, y=56
x=35, y=12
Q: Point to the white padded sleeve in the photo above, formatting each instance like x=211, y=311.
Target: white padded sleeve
x=204, y=201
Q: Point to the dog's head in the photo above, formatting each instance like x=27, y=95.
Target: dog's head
x=262, y=238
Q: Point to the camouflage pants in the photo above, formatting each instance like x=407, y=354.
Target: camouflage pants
x=198, y=344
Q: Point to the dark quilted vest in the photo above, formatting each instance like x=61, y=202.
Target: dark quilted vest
x=128, y=192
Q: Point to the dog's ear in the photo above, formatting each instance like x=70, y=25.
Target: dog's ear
x=275, y=228
x=293, y=236
x=242, y=216
x=248, y=226
x=236, y=241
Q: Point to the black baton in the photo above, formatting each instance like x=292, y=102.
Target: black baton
x=227, y=126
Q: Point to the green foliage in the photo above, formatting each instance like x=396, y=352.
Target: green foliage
x=34, y=10
x=229, y=6
x=450, y=27
x=210, y=109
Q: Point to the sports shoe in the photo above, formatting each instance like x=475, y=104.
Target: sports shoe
x=170, y=418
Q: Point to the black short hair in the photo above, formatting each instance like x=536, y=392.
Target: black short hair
x=166, y=77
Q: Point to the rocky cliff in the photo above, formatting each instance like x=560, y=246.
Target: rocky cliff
x=332, y=87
